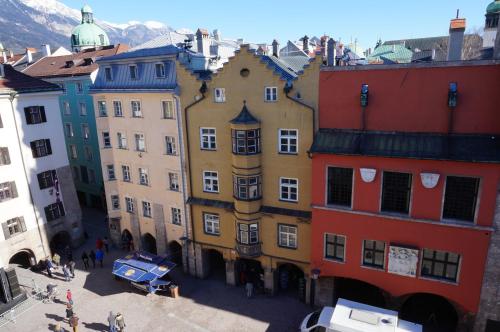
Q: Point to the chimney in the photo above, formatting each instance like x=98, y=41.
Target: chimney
x=4, y=56
x=331, y=50
x=276, y=48
x=496, y=48
x=239, y=41
x=324, y=46
x=216, y=34
x=203, y=42
x=456, y=40
x=433, y=56
x=11, y=54
x=29, y=55
x=46, y=50
x=305, y=44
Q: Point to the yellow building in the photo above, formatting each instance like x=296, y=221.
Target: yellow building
x=247, y=132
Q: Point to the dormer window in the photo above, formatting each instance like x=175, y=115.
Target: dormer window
x=160, y=70
x=133, y=72
x=108, y=74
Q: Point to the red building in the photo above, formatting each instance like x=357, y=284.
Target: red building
x=405, y=181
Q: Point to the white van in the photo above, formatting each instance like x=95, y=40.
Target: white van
x=349, y=316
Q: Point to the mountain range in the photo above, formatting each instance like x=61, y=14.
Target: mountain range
x=31, y=23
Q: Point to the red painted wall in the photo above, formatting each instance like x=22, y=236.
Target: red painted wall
x=412, y=99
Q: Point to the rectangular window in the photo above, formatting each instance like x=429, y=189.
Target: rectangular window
x=289, y=189
x=111, y=172
x=129, y=203
x=126, y=173
x=176, y=216
x=63, y=87
x=173, y=180
x=41, y=148
x=92, y=178
x=210, y=182
x=133, y=72
x=68, y=128
x=171, y=149
x=101, y=107
x=271, y=94
x=76, y=173
x=122, y=140
x=79, y=88
x=211, y=223
x=143, y=176
x=73, y=153
x=106, y=140
x=146, y=209
x=460, y=198
x=208, y=139
x=84, y=173
x=83, y=108
x=117, y=108
x=339, y=190
x=246, y=142
x=85, y=131
x=287, y=236
x=115, y=202
x=13, y=226
x=46, y=179
x=140, y=142
x=440, y=265
x=248, y=233
x=247, y=187
x=136, y=108
x=335, y=247
x=66, y=108
x=167, y=108
x=4, y=156
x=374, y=253
x=35, y=114
x=108, y=74
x=396, y=192
x=89, y=156
x=220, y=95
x=54, y=211
x=288, y=141
x=8, y=190
x=160, y=70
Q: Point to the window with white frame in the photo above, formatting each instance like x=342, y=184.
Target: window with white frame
x=271, y=93
x=54, y=211
x=247, y=187
x=46, y=179
x=289, y=189
x=4, y=156
x=115, y=202
x=106, y=140
x=247, y=233
x=89, y=156
x=63, y=87
x=288, y=141
x=101, y=107
x=211, y=223
x=140, y=142
x=92, y=178
x=122, y=140
x=111, y=172
x=136, y=108
x=73, y=151
x=117, y=108
x=374, y=253
x=126, y=173
x=8, y=190
x=246, y=142
x=335, y=247
x=13, y=226
x=441, y=265
x=208, y=139
x=143, y=176
x=167, y=108
x=79, y=88
x=66, y=108
x=133, y=72
x=339, y=186
x=220, y=95
x=85, y=131
x=146, y=209
x=108, y=74
x=460, y=198
x=35, y=114
x=83, y=109
x=176, y=216
x=129, y=204
x=160, y=70
x=173, y=180
x=171, y=148
x=287, y=236
x=41, y=148
x=210, y=182
x=68, y=128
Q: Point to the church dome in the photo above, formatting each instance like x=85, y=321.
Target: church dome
x=88, y=34
x=493, y=7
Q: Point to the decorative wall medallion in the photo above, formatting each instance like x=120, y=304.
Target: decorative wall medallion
x=368, y=174
x=429, y=180
x=403, y=261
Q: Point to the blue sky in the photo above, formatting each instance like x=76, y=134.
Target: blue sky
x=263, y=20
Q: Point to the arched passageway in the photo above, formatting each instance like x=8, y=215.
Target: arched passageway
x=175, y=252
x=216, y=264
x=126, y=240
x=149, y=243
x=434, y=312
x=59, y=243
x=291, y=281
x=23, y=258
x=358, y=291
x=249, y=270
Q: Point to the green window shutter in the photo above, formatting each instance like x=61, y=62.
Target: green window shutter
x=42, y=114
x=6, y=232
x=13, y=189
x=22, y=223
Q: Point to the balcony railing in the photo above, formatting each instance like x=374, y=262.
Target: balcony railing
x=248, y=250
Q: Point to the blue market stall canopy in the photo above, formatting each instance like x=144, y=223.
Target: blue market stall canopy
x=142, y=267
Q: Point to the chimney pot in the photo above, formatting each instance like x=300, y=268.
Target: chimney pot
x=331, y=50
x=276, y=47
x=29, y=55
x=4, y=56
x=46, y=50
x=305, y=44
x=456, y=39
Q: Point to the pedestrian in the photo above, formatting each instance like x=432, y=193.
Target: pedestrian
x=92, y=257
x=66, y=272
x=98, y=243
x=120, y=322
x=69, y=311
x=56, y=259
x=112, y=322
x=85, y=259
x=249, y=288
x=105, y=241
x=99, y=256
x=58, y=328
x=71, y=266
x=69, y=297
x=73, y=322
x=49, y=267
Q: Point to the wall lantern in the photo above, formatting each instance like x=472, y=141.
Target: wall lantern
x=368, y=174
x=364, y=95
x=452, y=95
x=429, y=180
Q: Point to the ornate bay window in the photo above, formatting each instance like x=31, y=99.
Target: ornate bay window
x=248, y=233
x=247, y=188
x=246, y=142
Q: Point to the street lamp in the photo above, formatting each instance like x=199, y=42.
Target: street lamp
x=314, y=276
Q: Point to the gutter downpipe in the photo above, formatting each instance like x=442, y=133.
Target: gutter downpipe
x=309, y=153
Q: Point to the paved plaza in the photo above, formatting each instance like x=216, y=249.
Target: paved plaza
x=203, y=305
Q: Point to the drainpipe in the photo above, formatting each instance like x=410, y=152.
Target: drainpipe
x=11, y=99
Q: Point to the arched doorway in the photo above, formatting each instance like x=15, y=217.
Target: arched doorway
x=175, y=252
x=59, y=242
x=434, y=312
x=216, y=264
x=250, y=270
x=358, y=291
x=291, y=281
x=149, y=243
x=126, y=239
x=23, y=258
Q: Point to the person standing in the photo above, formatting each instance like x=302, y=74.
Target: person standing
x=69, y=311
x=49, y=267
x=69, y=297
x=85, y=259
x=112, y=322
x=99, y=256
x=73, y=322
x=92, y=257
x=249, y=288
x=71, y=266
x=105, y=241
x=120, y=322
x=66, y=272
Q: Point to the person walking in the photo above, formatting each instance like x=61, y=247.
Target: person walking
x=71, y=266
x=56, y=259
x=99, y=256
x=85, y=259
x=120, y=322
x=112, y=322
x=249, y=288
x=66, y=272
x=69, y=297
x=92, y=257
x=69, y=311
x=73, y=322
x=49, y=267
x=105, y=241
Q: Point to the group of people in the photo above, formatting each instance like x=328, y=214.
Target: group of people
x=68, y=268
x=71, y=316
x=116, y=322
x=97, y=255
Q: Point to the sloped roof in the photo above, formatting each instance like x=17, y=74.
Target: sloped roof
x=146, y=52
x=15, y=81
x=245, y=117
x=393, y=53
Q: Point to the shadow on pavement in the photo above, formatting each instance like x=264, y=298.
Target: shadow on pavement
x=55, y=317
x=96, y=326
